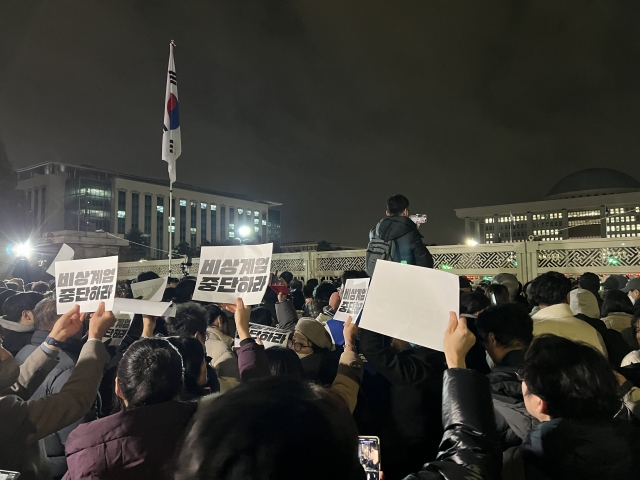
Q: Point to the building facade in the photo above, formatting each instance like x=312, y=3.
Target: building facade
x=592, y=203
x=66, y=197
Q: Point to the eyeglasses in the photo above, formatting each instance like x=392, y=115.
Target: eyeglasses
x=297, y=346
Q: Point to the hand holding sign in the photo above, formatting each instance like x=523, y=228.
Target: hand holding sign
x=350, y=334
x=242, y=315
x=67, y=325
x=100, y=322
x=458, y=340
x=334, y=301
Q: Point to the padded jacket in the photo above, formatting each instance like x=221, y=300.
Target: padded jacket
x=409, y=246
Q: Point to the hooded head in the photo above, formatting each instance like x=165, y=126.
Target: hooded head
x=510, y=281
x=584, y=302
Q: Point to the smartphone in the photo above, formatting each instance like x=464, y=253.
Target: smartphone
x=419, y=218
x=369, y=455
x=280, y=289
x=7, y=475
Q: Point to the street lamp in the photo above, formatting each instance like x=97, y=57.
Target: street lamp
x=471, y=242
x=244, y=231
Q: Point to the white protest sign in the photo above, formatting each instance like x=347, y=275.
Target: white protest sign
x=65, y=254
x=226, y=273
x=151, y=290
x=143, y=307
x=270, y=336
x=87, y=283
x=353, y=296
x=119, y=330
x=411, y=303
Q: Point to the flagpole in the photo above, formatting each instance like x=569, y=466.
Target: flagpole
x=170, y=224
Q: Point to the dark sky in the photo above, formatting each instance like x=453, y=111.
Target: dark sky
x=330, y=106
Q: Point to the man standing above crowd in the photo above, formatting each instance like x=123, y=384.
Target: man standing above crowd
x=401, y=235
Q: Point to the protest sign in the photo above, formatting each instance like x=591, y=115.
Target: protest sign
x=151, y=290
x=119, y=330
x=226, y=273
x=86, y=283
x=410, y=303
x=65, y=254
x=143, y=307
x=270, y=336
x=352, y=299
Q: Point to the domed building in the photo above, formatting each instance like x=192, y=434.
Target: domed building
x=590, y=203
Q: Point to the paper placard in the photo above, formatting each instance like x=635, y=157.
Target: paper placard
x=226, y=273
x=270, y=336
x=65, y=254
x=86, y=283
x=119, y=330
x=143, y=307
x=411, y=303
x=151, y=290
x=352, y=300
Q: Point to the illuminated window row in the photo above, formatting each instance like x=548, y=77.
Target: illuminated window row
x=621, y=219
x=546, y=232
x=584, y=213
x=547, y=216
x=622, y=228
x=619, y=235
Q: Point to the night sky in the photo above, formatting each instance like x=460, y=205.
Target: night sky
x=330, y=106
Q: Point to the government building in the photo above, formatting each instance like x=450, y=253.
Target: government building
x=592, y=203
x=80, y=198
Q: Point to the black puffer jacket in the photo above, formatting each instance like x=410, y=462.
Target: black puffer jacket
x=469, y=449
x=585, y=450
x=409, y=246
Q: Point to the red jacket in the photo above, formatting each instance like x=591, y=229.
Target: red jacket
x=138, y=443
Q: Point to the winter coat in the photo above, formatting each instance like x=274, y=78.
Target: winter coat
x=408, y=239
x=618, y=321
x=137, y=443
x=15, y=336
x=470, y=449
x=413, y=425
x=24, y=423
x=223, y=359
x=576, y=449
x=614, y=342
x=253, y=363
x=559, y=320
x=503, y=378
x=68, y=356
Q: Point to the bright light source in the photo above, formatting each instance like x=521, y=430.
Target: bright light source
x=22, y=250
x=471, y=242
x=244, y=231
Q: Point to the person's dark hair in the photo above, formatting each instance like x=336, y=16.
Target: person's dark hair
x=287, y=277
x=313, y=282
x=12, y=286
x=295, y=285
x=45, y=315
x=261, y=316
x=471, y=303
x=510, y=324
x=193, y=354
x=233, y=436
x=214, y=312
x=324, y=291
x=169, y=294
x=351, y=274
x=307, y=291
x=40, y=287
x=397, y=204
x=149, y=372
x=590, y=281
x=16, y=304
x=499, y=291
x=4, y=296
x=573, y=378
x=191, y=318
x=144, y=276
x=184, y=290
x=616, y=301
x=284, y=361
x=550, y=288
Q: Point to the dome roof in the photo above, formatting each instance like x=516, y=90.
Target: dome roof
x=594, y=181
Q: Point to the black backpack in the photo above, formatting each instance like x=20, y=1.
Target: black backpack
x=378, y=249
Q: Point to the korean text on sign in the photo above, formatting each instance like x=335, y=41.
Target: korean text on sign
x=353, y=298
x=87, y=283
x=270, y=336
x=119, y=330
x=226, y=273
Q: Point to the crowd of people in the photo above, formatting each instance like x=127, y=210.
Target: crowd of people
x=536, y=381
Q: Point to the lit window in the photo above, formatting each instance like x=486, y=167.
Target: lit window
x=203, y=206
x=264, y=222
x=232, y=226
x=173, y=219
x=240, y=211
x=231, y=234
x=160, y=209
x=256, y=229
x=172, y=229
x=213, y=207
x=256, y=221
x=183, y=203
x=121, y=213
x=249, y=212
x=193, y=230
x=256, y=214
